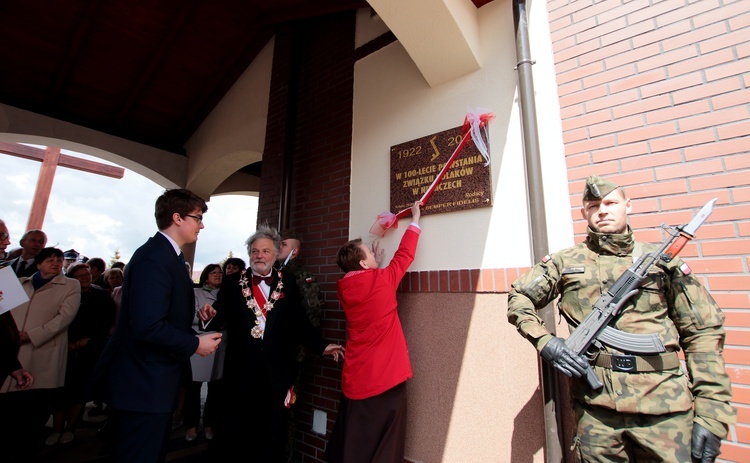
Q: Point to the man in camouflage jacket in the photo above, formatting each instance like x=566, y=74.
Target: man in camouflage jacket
x=657, y=413
x=309, y=292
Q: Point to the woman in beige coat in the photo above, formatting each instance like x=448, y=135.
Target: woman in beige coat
x=43, y=328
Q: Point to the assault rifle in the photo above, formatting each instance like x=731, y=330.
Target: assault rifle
x=595, y=327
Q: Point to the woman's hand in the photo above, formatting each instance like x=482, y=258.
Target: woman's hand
x=379, y=253
x=416, y=212
x=24, y=378
x=334, y=350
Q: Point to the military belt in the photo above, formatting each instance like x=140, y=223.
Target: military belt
x=638, y=363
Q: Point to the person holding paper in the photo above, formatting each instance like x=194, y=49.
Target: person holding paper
x=9, y=345
x=4, y=243
x=10, y=342
x=4, y=240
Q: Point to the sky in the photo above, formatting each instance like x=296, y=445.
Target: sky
x=97, y=215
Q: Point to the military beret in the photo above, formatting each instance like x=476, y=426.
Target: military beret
x=596, y=188
x=290, y=235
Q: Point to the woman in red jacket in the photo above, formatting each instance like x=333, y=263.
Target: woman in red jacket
x=371, y=424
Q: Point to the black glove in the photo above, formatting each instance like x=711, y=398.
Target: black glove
x=563, y=358
x=706, y=445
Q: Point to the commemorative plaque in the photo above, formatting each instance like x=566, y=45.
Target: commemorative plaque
x=415, y=164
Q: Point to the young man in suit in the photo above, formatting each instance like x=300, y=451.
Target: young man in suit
x=153, y=338
x=265, y=322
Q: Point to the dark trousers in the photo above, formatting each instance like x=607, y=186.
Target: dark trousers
x=24, y=414
x=192, y=407
x=140, y=437
x=371, y=430
x=252, y=416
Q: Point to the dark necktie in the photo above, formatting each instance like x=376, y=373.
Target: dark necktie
x=21, y=267
x=257, y=279
x=182, y=259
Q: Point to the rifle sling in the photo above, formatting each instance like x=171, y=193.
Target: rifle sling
x=638, y=363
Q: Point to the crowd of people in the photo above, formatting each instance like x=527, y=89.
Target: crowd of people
x=55, y=338
x=124, y=341
x=141, y=343
x=51, y=344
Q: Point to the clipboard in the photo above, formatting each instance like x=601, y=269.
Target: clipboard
x=13, y=293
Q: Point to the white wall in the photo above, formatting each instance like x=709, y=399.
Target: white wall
x=393, y=103
x=234, y=134
x=162, y=167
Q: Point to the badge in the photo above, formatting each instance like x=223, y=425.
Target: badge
x=573, y=270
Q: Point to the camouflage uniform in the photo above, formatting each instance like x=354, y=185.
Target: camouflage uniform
x=652, y=408
x=309, y=291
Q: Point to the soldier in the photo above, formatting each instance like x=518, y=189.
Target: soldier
x=658, y=412
x=291, y=243
x=309, y=296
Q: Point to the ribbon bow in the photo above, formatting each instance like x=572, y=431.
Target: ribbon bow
x=257, y=279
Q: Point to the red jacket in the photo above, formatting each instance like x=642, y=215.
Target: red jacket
x=377, y=357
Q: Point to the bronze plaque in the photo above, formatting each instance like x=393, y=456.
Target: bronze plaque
x=415, y=164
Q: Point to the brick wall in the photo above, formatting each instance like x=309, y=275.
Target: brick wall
x=319, y=202
x=654, y=95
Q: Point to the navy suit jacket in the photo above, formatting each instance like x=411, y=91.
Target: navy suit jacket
x=139, y=369
x=27, y=272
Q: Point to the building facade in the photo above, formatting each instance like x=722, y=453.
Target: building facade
x=651, y=94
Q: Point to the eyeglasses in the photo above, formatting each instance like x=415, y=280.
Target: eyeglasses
x=216, y=272
x=199, y=219
x=4, y=236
